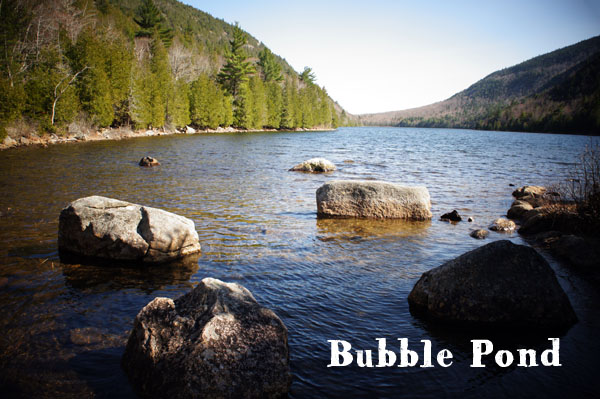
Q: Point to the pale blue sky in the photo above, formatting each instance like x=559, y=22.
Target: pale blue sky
x=382, y=55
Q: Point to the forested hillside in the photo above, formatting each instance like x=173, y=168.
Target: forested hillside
x=145, y=64
x=555, y=92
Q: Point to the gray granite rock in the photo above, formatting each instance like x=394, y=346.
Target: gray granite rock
x=213, y=342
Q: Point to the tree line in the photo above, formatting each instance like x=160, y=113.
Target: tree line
x=75, y=60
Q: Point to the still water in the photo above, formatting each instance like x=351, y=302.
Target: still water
x=63, y=327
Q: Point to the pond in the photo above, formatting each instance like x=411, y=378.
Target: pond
x=64, y=326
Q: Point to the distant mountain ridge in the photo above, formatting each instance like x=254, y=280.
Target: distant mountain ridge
x=554, y=92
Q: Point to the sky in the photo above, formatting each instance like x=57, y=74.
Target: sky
x=384, y=55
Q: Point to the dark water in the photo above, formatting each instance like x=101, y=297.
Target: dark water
x=64, y=326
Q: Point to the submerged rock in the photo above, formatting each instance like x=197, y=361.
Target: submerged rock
x=373, y=199
x=214, y=342
x=149, y=161
x=479, y=234
x=503, y=225
x=314, y=165
x=500, y=283
x=452, y=216
x=107, y=228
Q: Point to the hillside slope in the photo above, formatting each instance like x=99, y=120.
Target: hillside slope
x=554, y=92
x=146, y=64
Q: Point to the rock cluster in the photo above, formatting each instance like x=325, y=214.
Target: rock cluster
x=107, y=228
x=213, y=342
x=500, y=283
x=373, y=199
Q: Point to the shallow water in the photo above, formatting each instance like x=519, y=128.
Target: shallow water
x=64, y=326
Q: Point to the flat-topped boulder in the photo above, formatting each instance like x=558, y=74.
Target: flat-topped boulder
x=500, y=283
x=314, y=165
x=213, y=342
x=106, y=228
x=373, y=199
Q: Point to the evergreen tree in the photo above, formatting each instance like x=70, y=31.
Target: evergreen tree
x=242, y=107
x=150, y=20
x=119, y=62
x=94, y=86
x=236, y=72
x=179, y=107
x=287, y=108
x=208, y=104
x=258, y=109
x=271, y=70
x=161, y=85
x=140, y=99
x=274, y=105
x=308, y=76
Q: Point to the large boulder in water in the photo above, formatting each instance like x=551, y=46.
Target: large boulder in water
x=500, y=283
x=107, y=228
x=214, y=342
x=314, y=165
x=373, y=199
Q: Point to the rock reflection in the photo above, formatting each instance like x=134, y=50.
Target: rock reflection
x=102, y=275
x=354, y=229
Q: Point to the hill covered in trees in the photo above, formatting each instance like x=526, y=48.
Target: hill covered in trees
x=555, y=92
x=145, y=64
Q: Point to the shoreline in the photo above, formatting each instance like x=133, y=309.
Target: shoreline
x=33, y=139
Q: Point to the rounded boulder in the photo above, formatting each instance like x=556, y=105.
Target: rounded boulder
x=213, y=342
x=500, y=283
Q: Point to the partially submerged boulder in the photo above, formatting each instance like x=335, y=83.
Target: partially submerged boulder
x=531, y=191
x=451, y=216
x=373, y=199
x=314, y=165
x=500, y=283
x=503, y=225
x=213, y=342
x=518, y=209
x=149, y=162
x=107, y=228
x=479, y=234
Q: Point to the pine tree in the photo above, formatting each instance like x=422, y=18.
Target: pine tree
x=150, y=20
x=236, y=72
x=308, y=76
x=271, y=70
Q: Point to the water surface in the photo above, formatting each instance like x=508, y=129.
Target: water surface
x=64, y=326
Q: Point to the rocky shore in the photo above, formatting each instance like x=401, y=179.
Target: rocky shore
x=20, y=139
